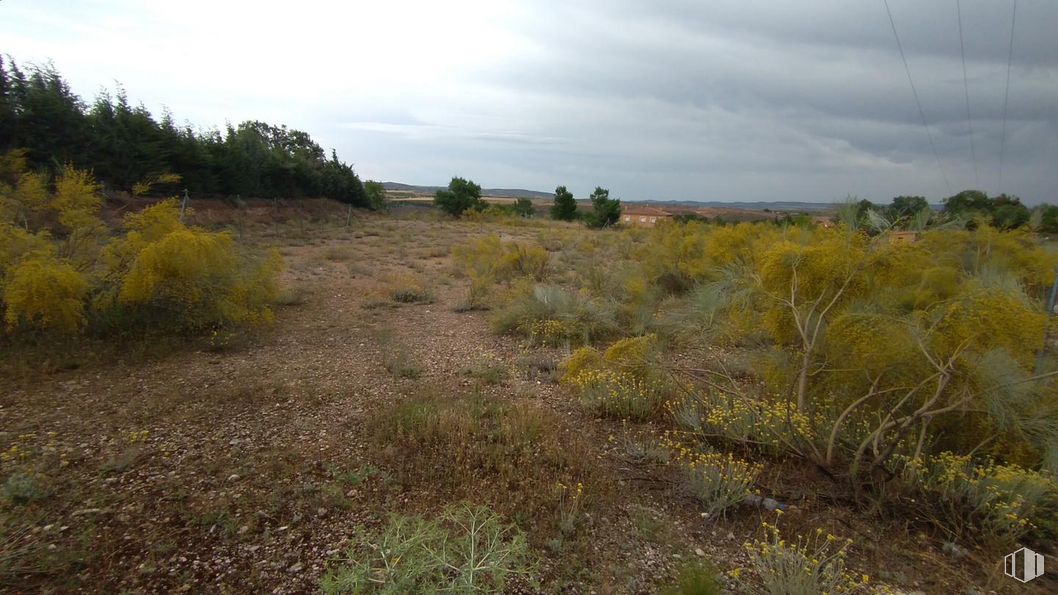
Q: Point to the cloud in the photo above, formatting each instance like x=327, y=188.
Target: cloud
x=729, y=99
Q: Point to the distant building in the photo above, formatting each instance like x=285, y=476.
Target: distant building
x=643, y=216
x=822, y=221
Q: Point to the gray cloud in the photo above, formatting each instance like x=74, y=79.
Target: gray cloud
x=684, y=99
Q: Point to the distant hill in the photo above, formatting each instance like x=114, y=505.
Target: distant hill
x=505, y=192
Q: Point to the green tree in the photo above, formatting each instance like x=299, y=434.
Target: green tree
x=523, y=207
x=461, y=195
x=565, y=207
x=122, y=144
x=905, y=206
x=376, y=195
x=968, y=202
x=1008, y=212
x=606, y=211
x=1048, y=218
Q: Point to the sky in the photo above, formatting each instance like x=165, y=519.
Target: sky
x=726, y=100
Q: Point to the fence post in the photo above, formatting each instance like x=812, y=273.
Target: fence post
x=183, y=205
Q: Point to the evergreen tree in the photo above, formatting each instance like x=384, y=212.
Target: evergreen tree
x=605, y=211
x=565, y=207
x=124, y=145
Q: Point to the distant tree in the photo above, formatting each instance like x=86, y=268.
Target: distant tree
x=523, y=207
x=460, y=196
x=376, y=195
x=1008, y=212
x=1048, y=218
x=905, y=206
x=967, y=202
x=565, y=207
x=1003, y=211
x=7, y=109
x=689, y=217
x=605, y=211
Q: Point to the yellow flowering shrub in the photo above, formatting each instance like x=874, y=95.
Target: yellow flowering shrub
x=60, y=270
x=46, y=293
x=812, y=564
x=766, y=423
x=636, y=356
x=995, y=502
x=583, y=359
x=198, y=274
x=991, y=318
x=718, y=481
x=76, y=199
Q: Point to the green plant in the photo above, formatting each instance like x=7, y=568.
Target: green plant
x=21, y=488
x=695, y=578
x=467, y=549
x=717, y=481
x=551, y=315
x=618, y=394
x=570, y=506
x=814, y=564
x=605, y=210
x=995, y=503
x=460, y=196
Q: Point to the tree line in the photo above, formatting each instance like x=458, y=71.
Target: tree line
x=463, y=196
x=124, y=145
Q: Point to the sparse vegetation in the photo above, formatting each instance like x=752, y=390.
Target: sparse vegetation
x=620, y=385
x=466, y=549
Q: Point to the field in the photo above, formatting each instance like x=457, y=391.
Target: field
x=252, y=461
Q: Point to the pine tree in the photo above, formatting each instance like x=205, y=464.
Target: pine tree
x=565, y=207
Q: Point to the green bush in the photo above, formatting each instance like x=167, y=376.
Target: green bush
x=461, y=195
x=552, y=315
x=695, y=578
x=467, y=549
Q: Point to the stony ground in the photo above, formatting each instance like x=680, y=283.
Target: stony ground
x=244, y=464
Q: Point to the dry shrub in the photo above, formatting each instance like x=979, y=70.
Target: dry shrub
x=507, y=455
x=406, y=288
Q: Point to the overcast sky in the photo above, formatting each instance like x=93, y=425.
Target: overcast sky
x=720, y=100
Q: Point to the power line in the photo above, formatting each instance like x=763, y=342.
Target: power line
x=1006, y=97
x=966, y=88
x=914, y=92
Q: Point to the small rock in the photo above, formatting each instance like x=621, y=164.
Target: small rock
x=698, y=552
x=233, y=477
x=296, y=567
x=243, y=529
